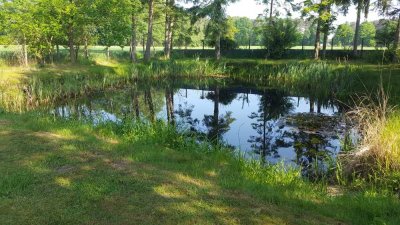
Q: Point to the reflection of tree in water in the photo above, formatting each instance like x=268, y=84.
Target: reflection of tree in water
x=273, y=104
x=311, y=151
x=218, y=124
x=184, y=113
x=311, y=142
x=169, y=102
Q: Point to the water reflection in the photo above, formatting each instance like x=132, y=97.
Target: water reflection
x=267, y=124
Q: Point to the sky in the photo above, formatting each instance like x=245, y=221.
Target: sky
x=250, y=8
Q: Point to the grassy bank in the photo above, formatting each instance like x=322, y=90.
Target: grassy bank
x=66, y=172
x=22, y=88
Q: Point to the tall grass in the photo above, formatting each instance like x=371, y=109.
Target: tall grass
x=43, y=86
x=376, y=158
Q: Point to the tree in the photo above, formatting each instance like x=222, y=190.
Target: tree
x=391, y=8
x=217, y=25
x=227, y=40
x=169, y=25
x=362, y=5
x=244, y=32
x=320, y=13
x=18, y=23
x=113, y=28
x=136, y=10
x=150, y=21
x=280, y=35
x=286, y=5
x=344, y=34
x=385, y=33
x=367, y=34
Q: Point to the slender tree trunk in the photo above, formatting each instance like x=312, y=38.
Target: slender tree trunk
x=24, y=53
x=218, y=46
x=169, y=23
x=324, y=44
x=357, y=31
x=318, y=34
x=133, y=38
x=143, y=44
x=71, y=44
x=108, y=52
x=147, y=54
x=317, y=40
x=76, y=52
x=58, y=51
x=86, y=49
x=271, y=7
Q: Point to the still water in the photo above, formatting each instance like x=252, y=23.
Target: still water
x=263, y=123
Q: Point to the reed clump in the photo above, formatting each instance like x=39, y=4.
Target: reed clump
x=376, y=158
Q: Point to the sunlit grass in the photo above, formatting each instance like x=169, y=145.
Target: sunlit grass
x=78, y=177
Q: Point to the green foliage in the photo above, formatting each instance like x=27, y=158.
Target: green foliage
x=279, y=36
x=367, y=33
x=385, y=33
x=344, y=34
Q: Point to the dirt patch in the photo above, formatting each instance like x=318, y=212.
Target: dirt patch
x=120, y=164
x=65, y=169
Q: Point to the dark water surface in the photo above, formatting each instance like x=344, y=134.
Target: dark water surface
x=263, y=123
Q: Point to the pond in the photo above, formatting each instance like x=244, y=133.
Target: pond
x=269, y=124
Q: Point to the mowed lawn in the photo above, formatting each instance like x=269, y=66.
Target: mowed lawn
x=69, y=173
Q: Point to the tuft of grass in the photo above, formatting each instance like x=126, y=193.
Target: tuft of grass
x=376, y=158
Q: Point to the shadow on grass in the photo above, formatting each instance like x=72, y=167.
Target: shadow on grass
x=65, y=173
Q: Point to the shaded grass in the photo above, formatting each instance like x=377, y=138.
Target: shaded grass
x=66, y=172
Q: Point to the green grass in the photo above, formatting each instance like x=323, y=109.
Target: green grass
x=65, y=172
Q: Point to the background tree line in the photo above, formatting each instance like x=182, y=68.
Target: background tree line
x=40, y=27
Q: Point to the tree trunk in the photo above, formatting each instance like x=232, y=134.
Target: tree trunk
x=86, y=49
x=169, y=23
x=218, y=46
x=271, y=7
x=108, y=52
x=324, y=44
x=317, y=40
x=76, y=52
x=71, y=44
x=147, y=54
x=133, y=38
x=24, y=53
x=58, y=51
x=357, y=31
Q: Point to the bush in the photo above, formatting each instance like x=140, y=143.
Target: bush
x=279, y=36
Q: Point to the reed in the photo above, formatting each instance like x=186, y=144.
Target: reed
x=376, y=158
